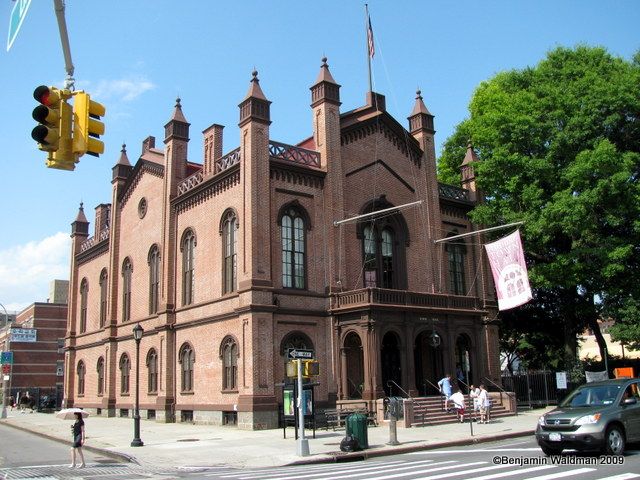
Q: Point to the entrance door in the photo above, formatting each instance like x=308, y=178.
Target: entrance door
x=428, y=363
x=391, y=366
x=355, y=365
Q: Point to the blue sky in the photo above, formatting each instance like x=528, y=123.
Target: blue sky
x=136, y=57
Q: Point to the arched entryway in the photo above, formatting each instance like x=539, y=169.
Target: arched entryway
x=428, y=362
x=391, y=364
x=464, y=370
x=354, y=366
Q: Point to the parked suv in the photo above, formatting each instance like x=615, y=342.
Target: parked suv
x=598, y=416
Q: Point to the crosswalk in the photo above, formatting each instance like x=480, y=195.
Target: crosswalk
x=421, y=470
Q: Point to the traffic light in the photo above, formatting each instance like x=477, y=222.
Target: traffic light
x=87, y=126
x=53, y=133
x=48, y=115
x=310, y=368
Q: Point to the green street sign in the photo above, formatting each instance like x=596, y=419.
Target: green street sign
x=6, y=358
x=18, y=13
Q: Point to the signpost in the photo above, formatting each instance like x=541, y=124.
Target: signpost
x=18, y=13
x=299, y=354
x=6, y=359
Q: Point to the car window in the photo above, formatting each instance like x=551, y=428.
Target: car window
x=592, y=396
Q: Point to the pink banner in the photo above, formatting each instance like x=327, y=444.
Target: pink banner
x=506, y=258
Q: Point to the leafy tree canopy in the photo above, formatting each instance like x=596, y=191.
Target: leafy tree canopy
x=559, y=147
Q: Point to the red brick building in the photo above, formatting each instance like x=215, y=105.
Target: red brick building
x=36, y=339
x=229, y=262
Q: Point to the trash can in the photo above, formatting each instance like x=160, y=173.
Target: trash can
x=357, y=427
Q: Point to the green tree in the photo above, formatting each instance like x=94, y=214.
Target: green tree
x=559, y=147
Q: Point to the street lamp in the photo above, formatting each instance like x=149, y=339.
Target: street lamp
x=137, y=336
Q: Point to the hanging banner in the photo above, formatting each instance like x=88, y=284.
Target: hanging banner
x=506, y=258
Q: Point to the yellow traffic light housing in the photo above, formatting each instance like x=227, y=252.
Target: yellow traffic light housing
x=53, y=133
x=87, y=126
x=310, y=368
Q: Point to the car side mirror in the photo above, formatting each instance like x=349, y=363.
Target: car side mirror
x=630, y=401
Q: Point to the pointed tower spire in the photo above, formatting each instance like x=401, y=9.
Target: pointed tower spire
x=122, y=169
x=80, y=225
x=420, y=118
x=255, y=105
x=468, y=172
x=325, y=89
x=177, y=126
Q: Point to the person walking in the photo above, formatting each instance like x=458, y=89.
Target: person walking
x=445, y=389
x=484, y=403
x=458, y=403
x=77, y=430
x=474, y=392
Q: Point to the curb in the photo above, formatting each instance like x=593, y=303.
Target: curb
x=123, y=457
x=340, y=457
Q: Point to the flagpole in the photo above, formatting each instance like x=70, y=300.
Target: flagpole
x=476, y=232
x=369, y=40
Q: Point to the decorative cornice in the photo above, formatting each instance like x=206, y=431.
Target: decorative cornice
x=208, y=188
x=93, y=251
x=297, y=175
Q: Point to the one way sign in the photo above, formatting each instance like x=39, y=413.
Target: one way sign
x=296, y=353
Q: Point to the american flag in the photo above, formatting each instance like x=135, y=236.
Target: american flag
x=372, y=48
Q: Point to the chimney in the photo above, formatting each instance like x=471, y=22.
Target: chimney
x=212, y=148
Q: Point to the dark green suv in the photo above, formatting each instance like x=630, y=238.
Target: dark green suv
x=599, y=416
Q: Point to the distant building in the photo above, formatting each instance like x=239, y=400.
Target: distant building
x=36, y=339
x=588, y=346
x=228, y=263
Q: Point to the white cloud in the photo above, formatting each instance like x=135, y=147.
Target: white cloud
x=123, y=89
x=26, y=270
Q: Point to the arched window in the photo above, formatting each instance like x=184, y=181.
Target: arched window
x=384, y=243
x=103, y=297
x=186, y=359
x=188, y=257
x=378, y=261
x=100, y=370
x=293, y=231
x=229, y=243
x=152, y=374
x=125, y=370
x=81, y=376
x=154, y=279
x=127, y=274
x=229, y=353
x=84, y=292
x=456, y=255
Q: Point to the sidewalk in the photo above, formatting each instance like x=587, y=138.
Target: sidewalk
x=179, y=444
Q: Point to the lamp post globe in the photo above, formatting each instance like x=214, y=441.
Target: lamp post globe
x=137, y=336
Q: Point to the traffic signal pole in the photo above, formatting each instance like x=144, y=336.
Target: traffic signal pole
x=303, y=443
x=66, y=48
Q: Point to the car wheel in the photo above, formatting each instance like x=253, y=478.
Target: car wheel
x=614, y=441
x=548, y=451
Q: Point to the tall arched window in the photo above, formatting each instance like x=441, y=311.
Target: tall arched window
x=84, y=292
x=100, y=370
x=127, y=274
x=229, y=353
x=81, y=376
x=385, y=240
x=378, y=258
x=125, y=370
x=188, y=258
x=293, y=248
x=152, y=374
x=229, y=242
x=456, y=256
x=186, y=359
x=103, y=297
x=154, y=279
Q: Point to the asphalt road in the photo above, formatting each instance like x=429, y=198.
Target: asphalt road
x=24, y=455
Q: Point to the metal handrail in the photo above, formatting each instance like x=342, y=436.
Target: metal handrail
x=442, y=395
x=508, y=394
x=389, y=382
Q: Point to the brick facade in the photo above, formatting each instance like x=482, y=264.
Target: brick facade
x=223, y=322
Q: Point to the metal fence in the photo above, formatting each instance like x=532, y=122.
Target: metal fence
x=535, y=388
